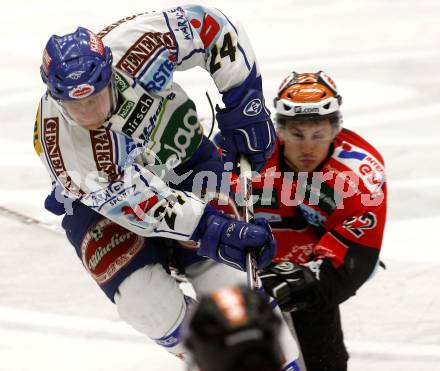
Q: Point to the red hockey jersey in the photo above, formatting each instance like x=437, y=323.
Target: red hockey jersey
x=337, y=213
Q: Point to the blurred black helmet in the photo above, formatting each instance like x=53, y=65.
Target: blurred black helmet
x=234, y=329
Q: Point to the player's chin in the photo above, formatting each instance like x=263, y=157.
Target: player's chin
x=93, y=126
x=306, y=166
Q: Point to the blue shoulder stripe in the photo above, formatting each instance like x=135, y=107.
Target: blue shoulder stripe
x=233, y=97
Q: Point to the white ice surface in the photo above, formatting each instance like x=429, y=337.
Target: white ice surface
x=384, y=56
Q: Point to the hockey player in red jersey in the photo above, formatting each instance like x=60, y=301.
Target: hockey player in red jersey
x=327, y=208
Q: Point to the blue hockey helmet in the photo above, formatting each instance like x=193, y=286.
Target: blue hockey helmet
x=76, y=65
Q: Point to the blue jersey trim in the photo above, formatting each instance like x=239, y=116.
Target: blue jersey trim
x=150, y=62
x=238, y=44
x=172, y=34
x=172, y=233
x=116, y=148
x=44, y=144
x=193, y=198
x=232, y=98
x=141, y=177
x=232, y=25
x=201, y=50
x=244, y=56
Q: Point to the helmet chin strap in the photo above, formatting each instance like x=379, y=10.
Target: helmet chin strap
x=64, y=110
x=114, y=99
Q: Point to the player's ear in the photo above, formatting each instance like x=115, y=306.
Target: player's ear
x=281, y=132
x=336, y=130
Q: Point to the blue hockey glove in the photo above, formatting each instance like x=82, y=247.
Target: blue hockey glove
x=227, y=240
x=247, y=129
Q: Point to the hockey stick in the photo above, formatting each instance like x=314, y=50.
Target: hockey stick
x=291, y=350
x=25, y=219
x=248, y=216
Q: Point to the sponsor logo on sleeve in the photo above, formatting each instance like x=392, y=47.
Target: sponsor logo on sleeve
x=180, y=24
x=51, y=142
x=352, y=155
x=373, y=174
x=121, y=83
x=366, y=166
x=102, y=146
x=114, y=194
x=125, y=109
x=160, y=76
x=153, y=209
x=181, y=140
x=138, y=211
x=141, y=51
x=208, y=28
x=138, y=115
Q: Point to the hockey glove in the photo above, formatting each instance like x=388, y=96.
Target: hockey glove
x=247, y=129
x=227, y=240
x=292, y=285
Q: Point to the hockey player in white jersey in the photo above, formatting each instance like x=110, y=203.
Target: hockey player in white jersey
x=124, y=148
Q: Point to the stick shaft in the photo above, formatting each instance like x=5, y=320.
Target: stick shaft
x=248, y=216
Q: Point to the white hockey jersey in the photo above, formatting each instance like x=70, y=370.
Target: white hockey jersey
x=154, y=121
